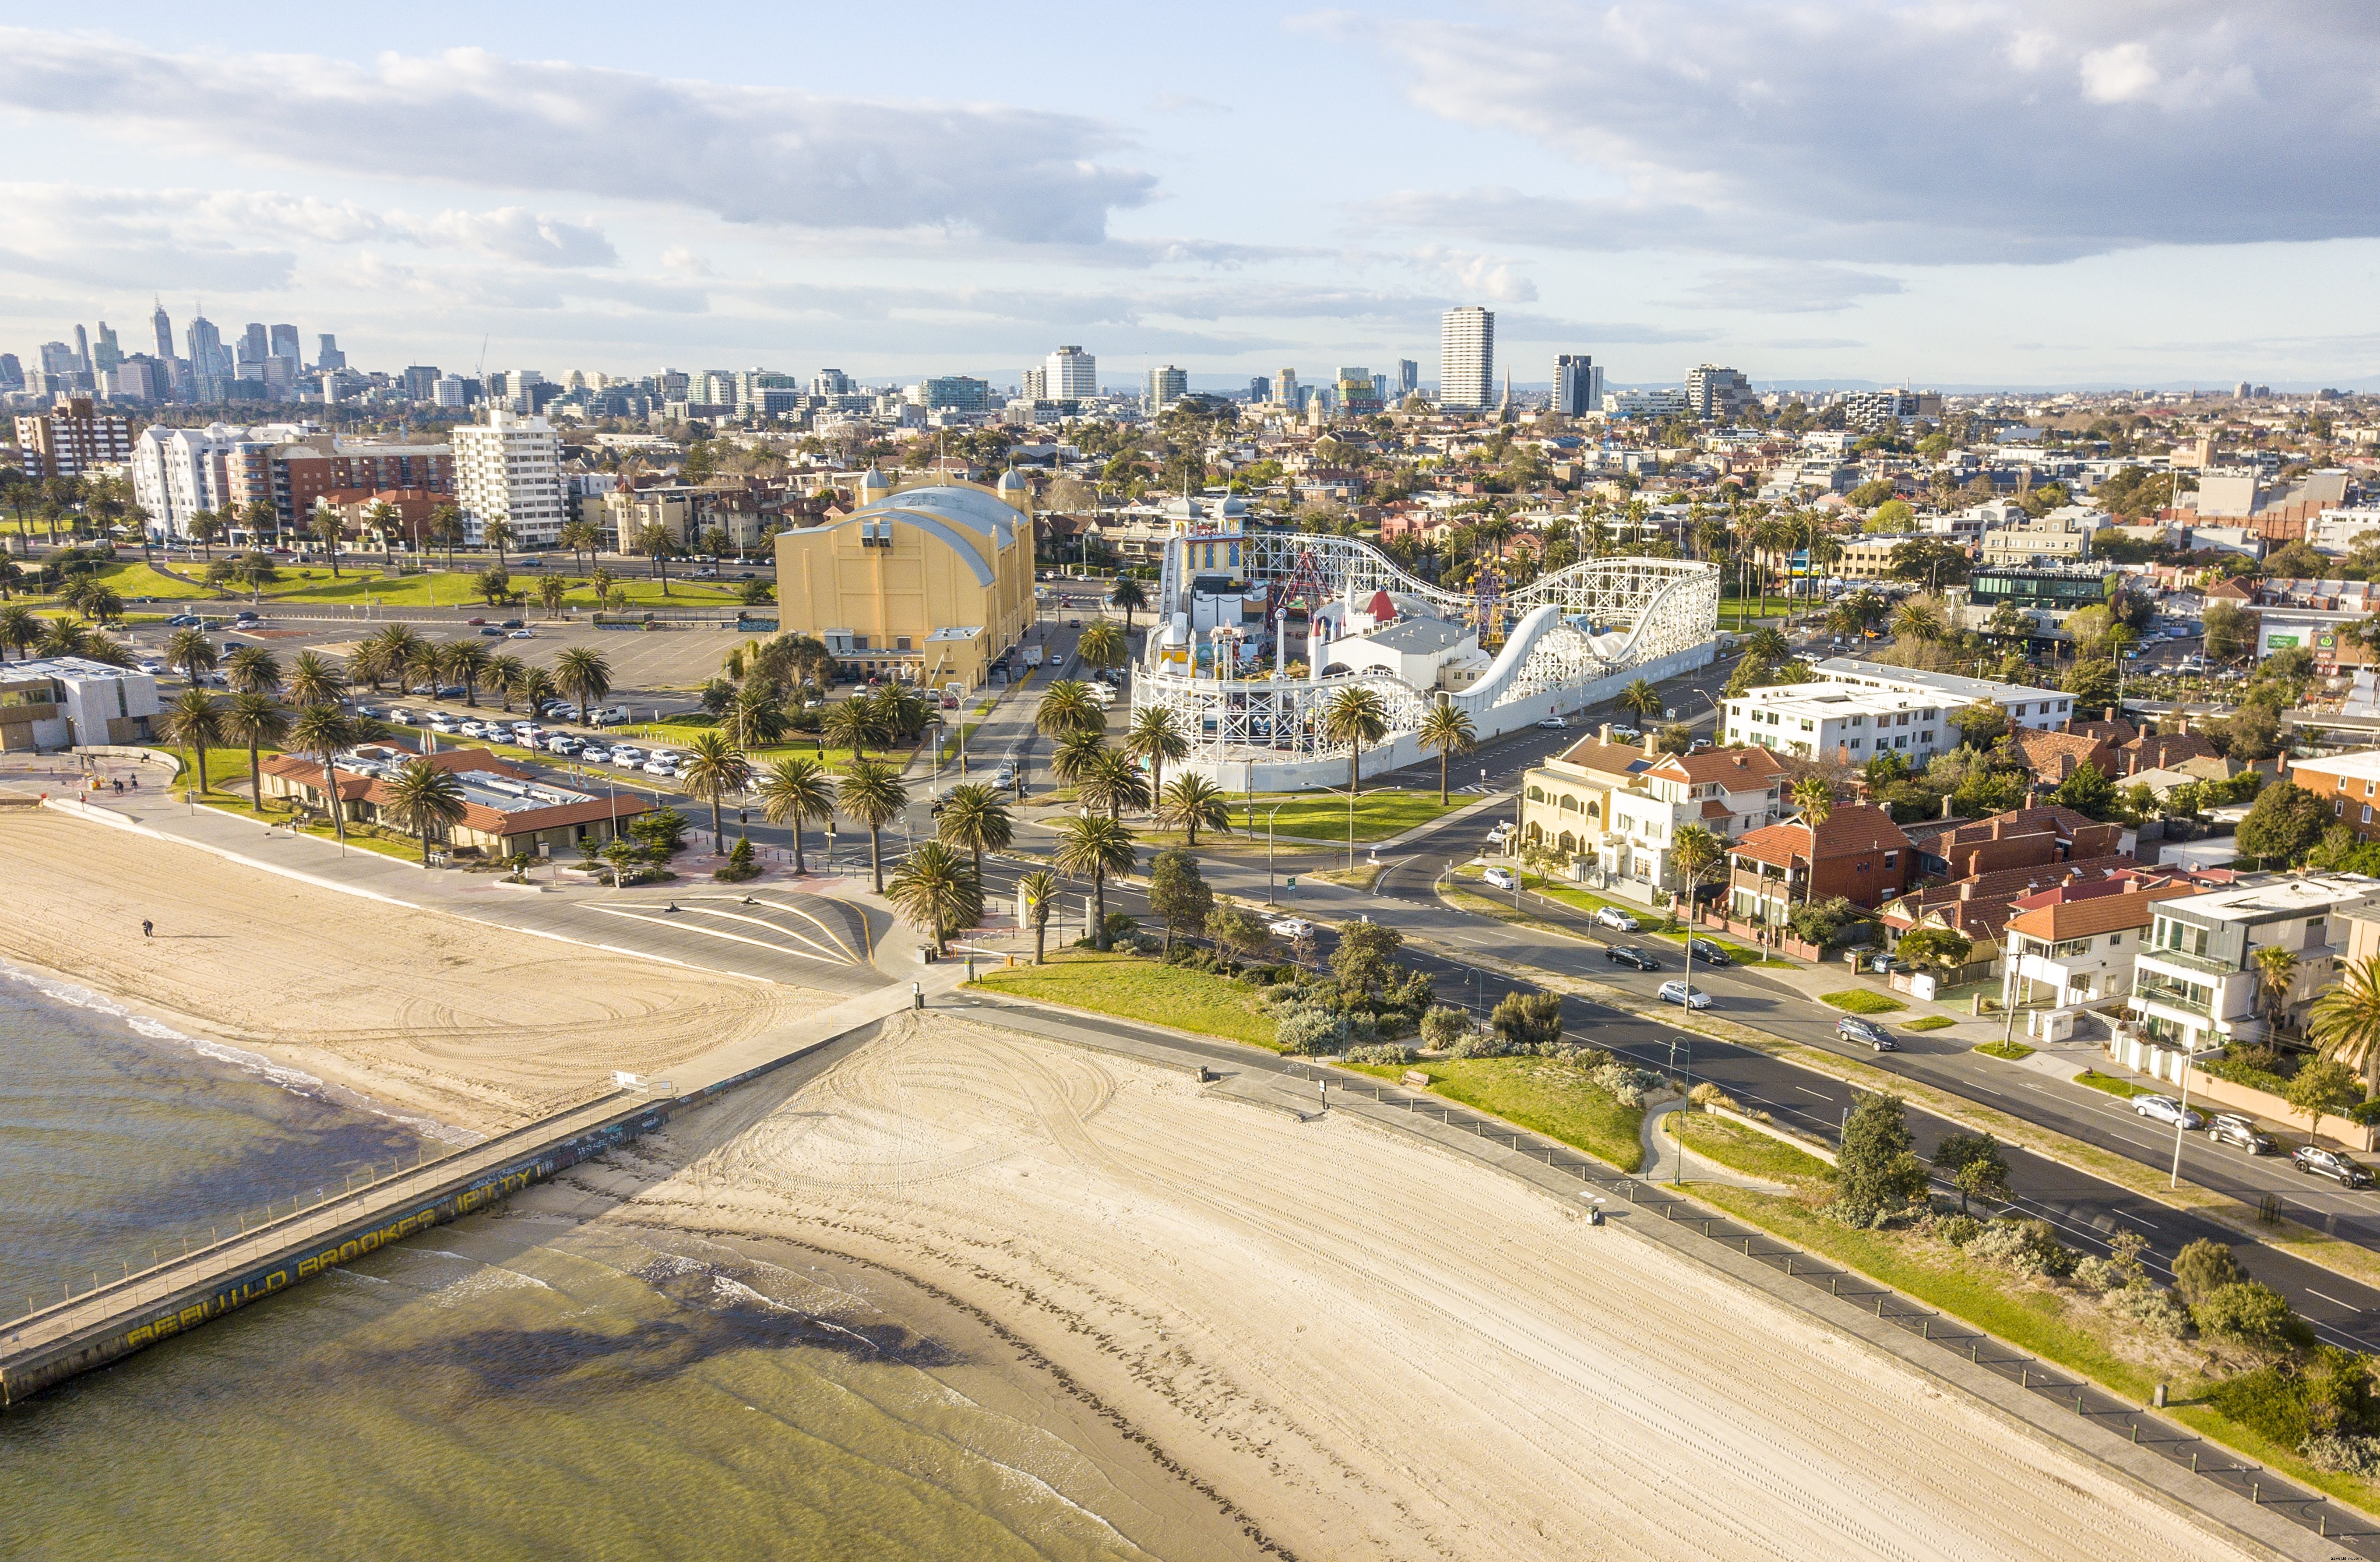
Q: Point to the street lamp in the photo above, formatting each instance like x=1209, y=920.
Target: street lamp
x=1269, y=813
x=2182, y=1118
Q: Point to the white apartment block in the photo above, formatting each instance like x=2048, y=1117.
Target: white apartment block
x=2196, y=984
x=509, y=468
x=1854, y=711
x=1466, y=357
x=2045, y=709
x=1073, y=375
x=178, y=472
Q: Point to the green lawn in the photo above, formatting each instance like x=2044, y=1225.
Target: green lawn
x=1586, y=900
x=1542, y=1094
x=1748, y=1150
x=133, y=581
x=2011, y=1051
x=2109, y=1083
x=1858, y=1000
x=1929, y=1022
x=1378, y=815
x=1140, y=987
x=361, y=577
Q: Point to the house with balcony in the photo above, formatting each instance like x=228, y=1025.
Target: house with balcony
x=2198, y=984
x=1614, y=809
x=1857, y=853
x=2075, y=944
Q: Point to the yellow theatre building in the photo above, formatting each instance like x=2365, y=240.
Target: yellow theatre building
x=926, y=584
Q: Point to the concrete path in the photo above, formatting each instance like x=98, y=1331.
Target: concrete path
x=1661, y=1153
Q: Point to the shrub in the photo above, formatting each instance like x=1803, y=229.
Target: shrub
x=1528, y=1018
x=2098, y=1274
x=1362, y=1026
x=1958, y=1229
x=2268, y=1400
x=2204, y=1267
x=1310, y=1030
x=1708, y=1095
x=1479, y=1041
x=2152, y=1307
x=2029, y=1247
x=1442, y=1027
x=1387, y=1052
x=739, y=865
x=2347, y=1455
x=2247, y=1312
x=1626, y=1083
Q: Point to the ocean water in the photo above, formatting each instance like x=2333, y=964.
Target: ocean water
x=515, y=1385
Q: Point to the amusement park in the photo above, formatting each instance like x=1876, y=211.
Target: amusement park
x=1259, y=631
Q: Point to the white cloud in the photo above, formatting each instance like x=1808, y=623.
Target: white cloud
x=745, y=153
x=1924, y=130
x=518, y=234
x=1787, y=288
x=1489, y=276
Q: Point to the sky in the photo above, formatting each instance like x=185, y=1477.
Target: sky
x=1953, y=193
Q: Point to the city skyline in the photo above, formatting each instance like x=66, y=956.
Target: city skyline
x=1493, y=161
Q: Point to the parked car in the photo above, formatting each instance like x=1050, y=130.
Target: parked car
x=1678, y=992
x=1291, y=927
x=2165, y=1109
x=2229, y=1128
x=1499, y=878
x=1709, y=953
x=592, y=756
x=661, y=767
x=2312, y=1160
x=1867, y=1032
x=1614, y=917
x=184, y=620
x=627, y=756
x=1501, y=833
x=475, y=623
x=514, y=624
x=1622, y=955
x=1553, y=724
x=1626, y=735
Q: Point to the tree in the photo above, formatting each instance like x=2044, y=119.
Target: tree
x=1111, y=781
x=937, y=893
x=582, y=675
x=1156, y=736
x=872, y=795
x=2322, y=1086
x=466, y=661
x=251, y=670
x=1527, y=1019
x=1128, y=594
x=1642, y=699
x=499, y=534
x=1355, y=716
x=1943, y=947
x=800, y=790
x=2092, y=682
x=2248, y=1312
x=1102, y=647
x=1917, y=619
x=2345, y=1021
x=976, y=821
x=1815, y=798
x=2230, y=630
x=424, y=798
x=2283, y=824
x=1036, y=894
x=195, y=722
x=1067, y=706
x=1094, y=847
x=1178, y=893
x=1446, y=730
x=327, y=529
x=654, y=541
x=322, y=732
x=1877, y=1171
x=2087, y=791
x=20, y=629
x=316, y=679
x=1974, y=1162
x=1363, y=960
x=1695, y=853
x=192, y=651
x=1238, y=931
x=2277, y=969
x=713, y=768
x=1194, y=802
x=516, y=680
x=254, y=719
x=755, y=716
x=2204, y=1267
x=1981, y=725
x=851, y=725
x=1892, y=518
x=550, y=591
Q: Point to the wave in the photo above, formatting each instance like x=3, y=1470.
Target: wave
x=296, y=1080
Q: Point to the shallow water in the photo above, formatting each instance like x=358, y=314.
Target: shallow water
x=512, y=1386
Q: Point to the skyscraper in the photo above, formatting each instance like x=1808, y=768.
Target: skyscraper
x=82, y=349
x=1717, y=393
x=1260, y=391
x=329, y=356
x=1408, y=377
x=1166, y=386
x=1466, y=358
x=164, y=332
x=210, y=359
x=285, y=343
x=106, y=353
x=255, y=347
x=1578, y=385
x=1285, y=390
x=1073, y=375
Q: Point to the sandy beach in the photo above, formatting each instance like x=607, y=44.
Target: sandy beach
x=1361, y=1346
x=470, y=1024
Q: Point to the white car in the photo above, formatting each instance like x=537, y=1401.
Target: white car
x=1501, y=833
x=1614, y=917
x=522, y=634
x=2165, y=1109
x=628, y=756
x=1678, y=992
x=1499, y=878
x=594, y=756
x=1291, y=927
x=1553, y=724
x=661, y=767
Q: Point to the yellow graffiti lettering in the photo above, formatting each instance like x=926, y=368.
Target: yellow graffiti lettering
x=367, y=1242
x=191, y=1317
x=275, y=1280
x=139, y=1337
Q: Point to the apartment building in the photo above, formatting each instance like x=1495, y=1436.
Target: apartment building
x=509, y=468
x=1857, y=853
x=2079, y=939
x=1614, y=809
x=2025, y=705
x=2350, y=784
x=1466, y=358
x=2199, y=983
x=1823, y=721
x=72, y=439
x=303, y=474
x=59, y=702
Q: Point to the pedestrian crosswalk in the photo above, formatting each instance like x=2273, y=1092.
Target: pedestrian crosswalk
x=1479, y=788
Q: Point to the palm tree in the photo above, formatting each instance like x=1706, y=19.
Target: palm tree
x=900, y=712
x=1036, y=893
x=850, y=725
x=1102, y=647
x=420, y=795
x=315, y=679
x=583, y=674
x=713, y=768
x=1077, y=753
x=254, y=718
x=871, y=794
x=937, y=892
x=975, y=820
x=1916, y=619
x=499, y=534
x=1447, y=731
x=550, y=591
x=1094, y=847
x=755, y=716
x=1156, y=736
x=1194, y=801
x=466, y=662
x=531, y=686
x=195, y=721
x=2275, y=969
x=1113, y=782
x=798, y=790
x=1355, y=716
x=325, y=732
x=192, y=651
x=654, y=541
x=1694, y=851
x=1767, y=646
x=1128, y=594
x=1068, y=706
x=1642, y=699
x=1817, y=800
x=2346, y=1020
x=328, y=532
x=20, y=629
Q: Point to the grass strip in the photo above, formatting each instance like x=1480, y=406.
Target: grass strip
x=1858, y=1000
x=1928, y=1022
x=2011, y=1051
x=1543, y=1095
x=1747, y=1149
x=1137, y=987
x=2123, y=1089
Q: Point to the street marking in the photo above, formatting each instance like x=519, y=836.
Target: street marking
x=2331, y=1300
x=2136, y=1220
x=1820, y=1095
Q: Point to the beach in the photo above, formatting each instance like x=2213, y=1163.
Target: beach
x=1353, y=1344
x=463, y=1022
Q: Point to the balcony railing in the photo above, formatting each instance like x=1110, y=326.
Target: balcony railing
x=2189, y=962
x=2172, y=994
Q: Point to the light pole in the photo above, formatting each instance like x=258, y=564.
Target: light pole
x=2181, y=1118
x=1269, y=813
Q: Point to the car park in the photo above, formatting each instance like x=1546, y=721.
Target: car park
x=1614, y=917
x=1708, y=953
x=1499, y=878
x=1690, y=997
x=1622, y=955
x=2229, y=1128
x=1867, y=1032
x=2165, y=1109
x=2312, y=1160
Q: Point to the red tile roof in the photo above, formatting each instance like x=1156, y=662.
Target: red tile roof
x=1848, y=830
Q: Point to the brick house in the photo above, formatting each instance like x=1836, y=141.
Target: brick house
x=1859, y=853
x=2022, y=838
x=2350, y=784
x=1980, y=907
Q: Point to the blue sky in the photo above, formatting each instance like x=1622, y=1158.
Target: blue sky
x=1957, y=192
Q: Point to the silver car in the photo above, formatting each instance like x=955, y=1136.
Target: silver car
x=2165, y=1109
